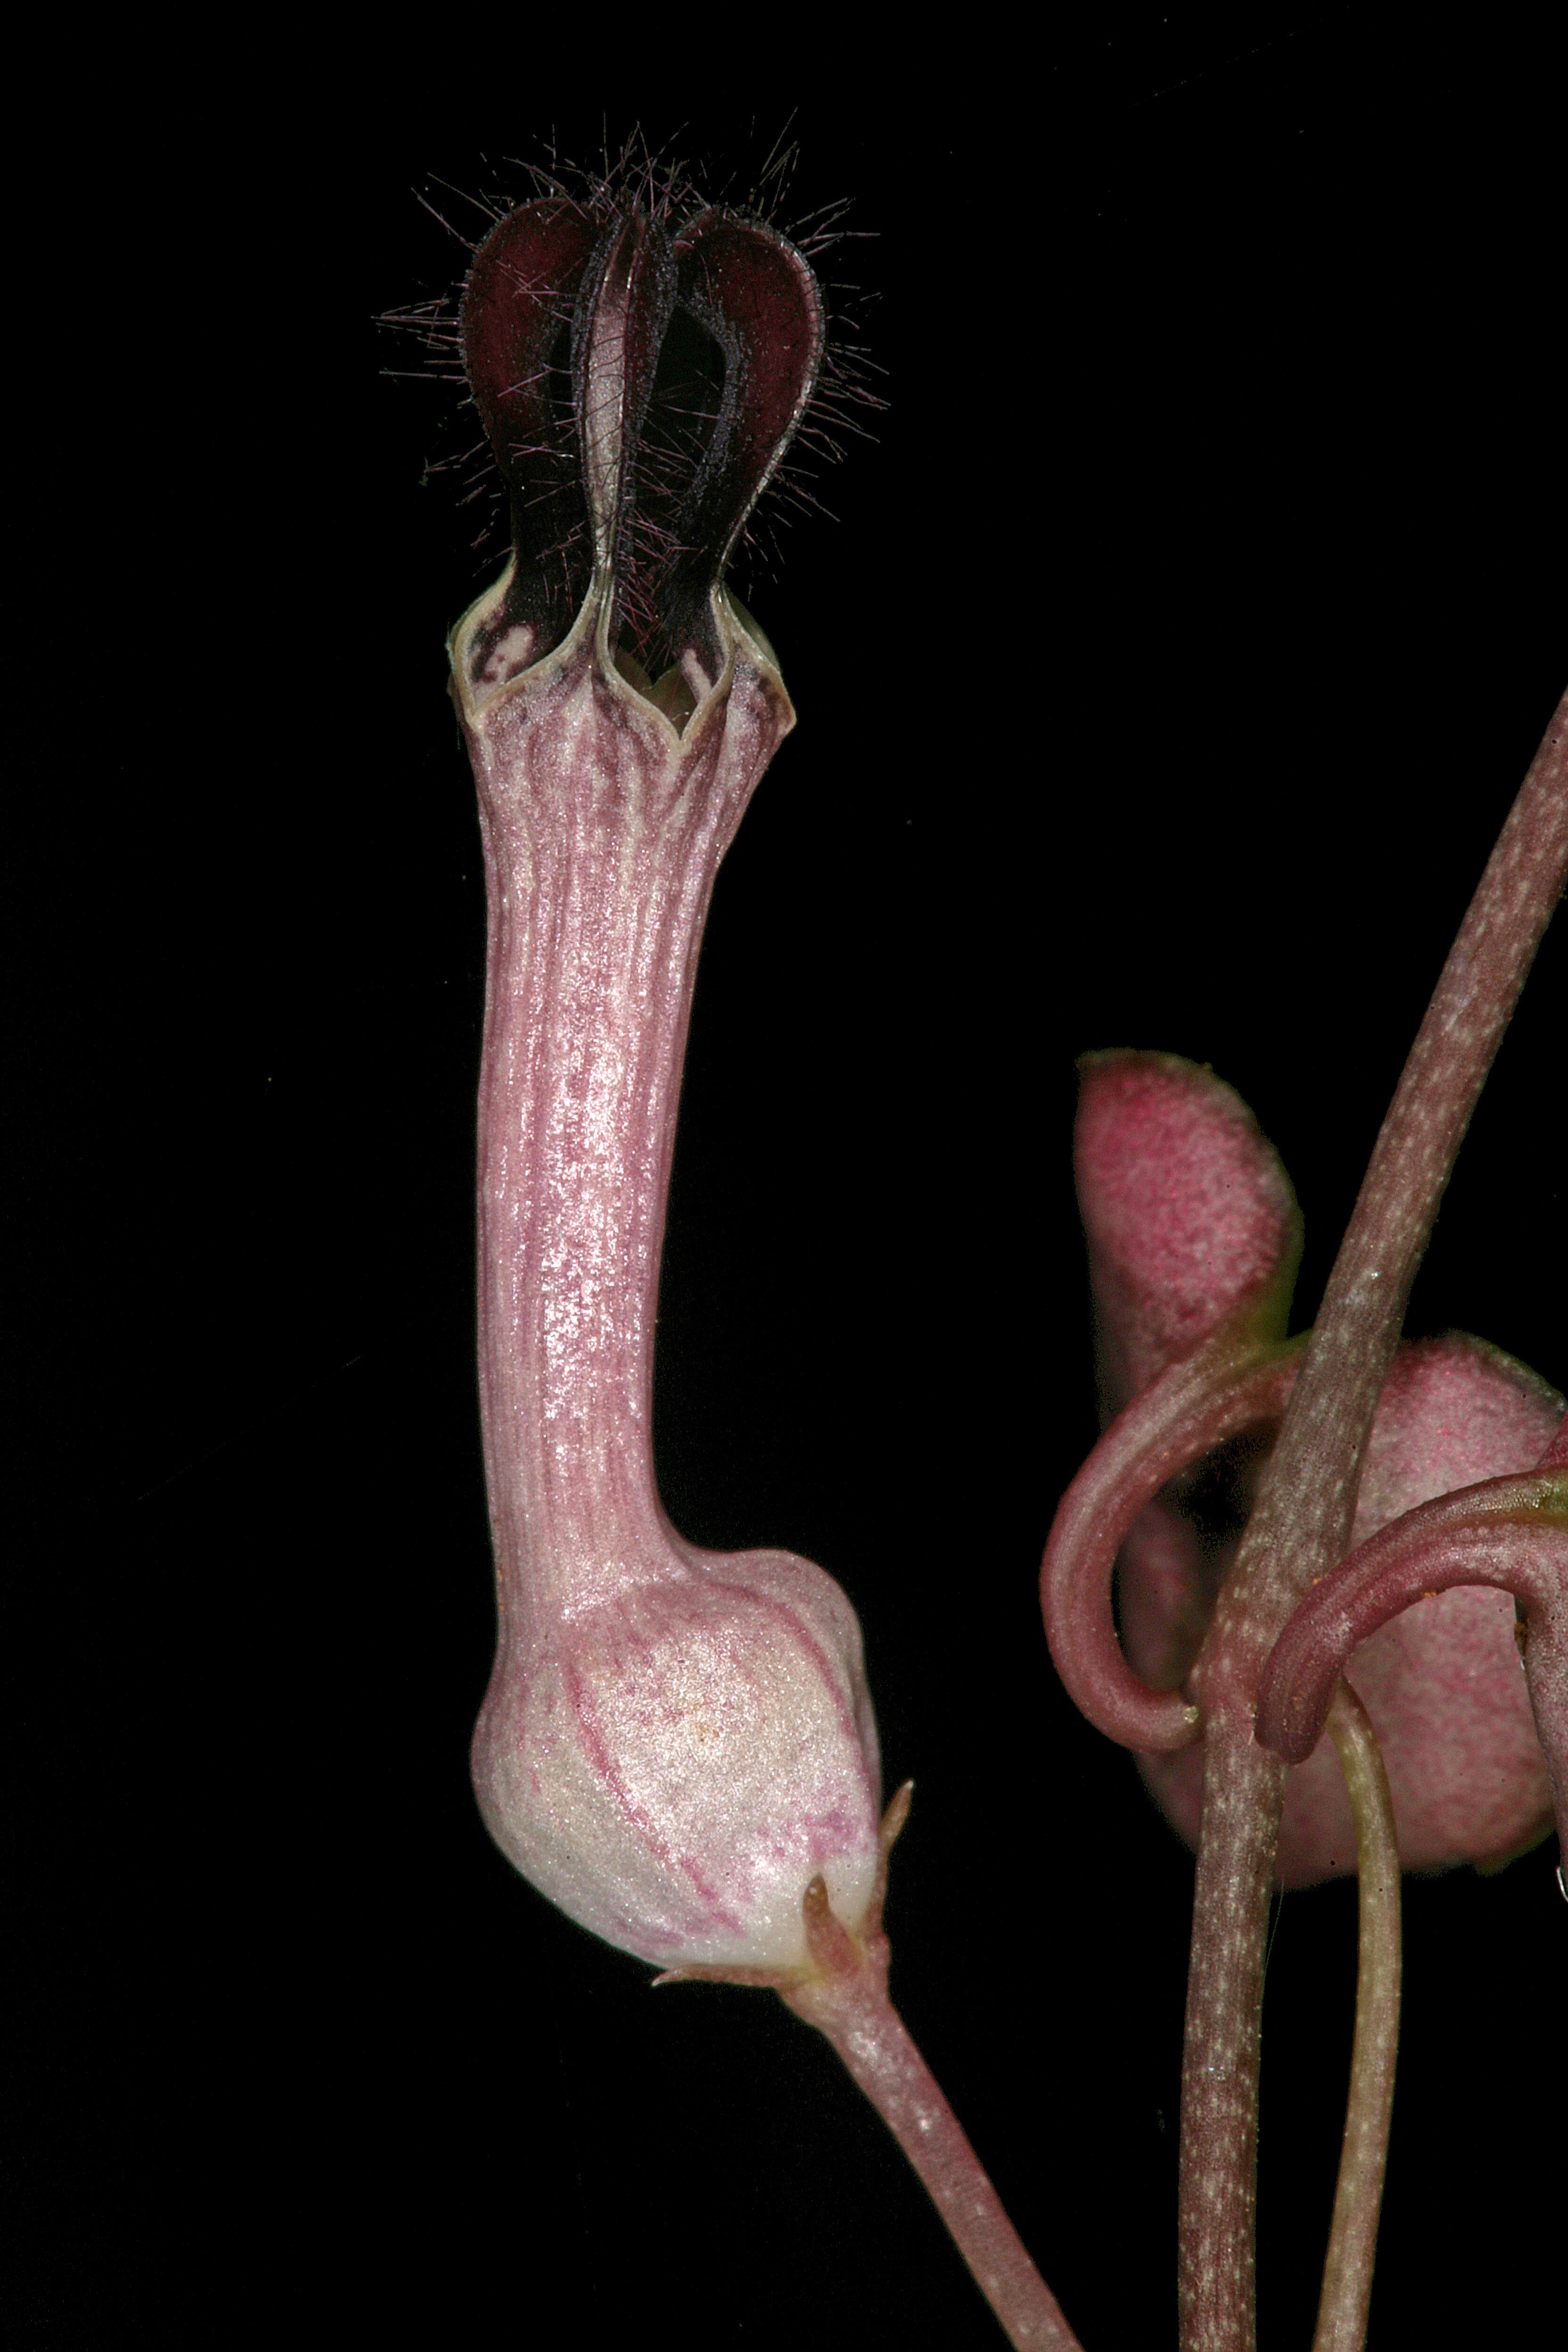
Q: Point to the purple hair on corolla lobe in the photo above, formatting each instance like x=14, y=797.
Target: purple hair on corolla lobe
x=715, y=325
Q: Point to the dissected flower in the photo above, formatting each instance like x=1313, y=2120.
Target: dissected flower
x=1194, y=1238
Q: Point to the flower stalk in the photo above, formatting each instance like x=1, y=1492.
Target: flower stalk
x=1231, y=1383
x=843, y=1992
x=1364, y=2158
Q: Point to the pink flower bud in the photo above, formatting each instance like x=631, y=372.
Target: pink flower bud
x=673, y=1743
x=1189, y=1215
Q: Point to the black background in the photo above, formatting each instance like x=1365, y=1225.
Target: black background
x=1164, y=671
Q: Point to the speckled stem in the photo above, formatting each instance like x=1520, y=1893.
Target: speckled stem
x=1358, y=2196
x=1301, y=1526
x=1306, y=1504
x=843, y=1992
x=869, y=2035
x=1229, y=1384
x=1244, y=1792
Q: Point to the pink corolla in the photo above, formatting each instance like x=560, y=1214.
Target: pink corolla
x=1194, y=1240
x=675, y=1745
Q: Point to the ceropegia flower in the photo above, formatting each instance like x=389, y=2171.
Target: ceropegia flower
x=1194, y=1240
x=675, y=1744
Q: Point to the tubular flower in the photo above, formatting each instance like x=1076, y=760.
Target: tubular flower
x=675, y=1745
x=1194, y=1239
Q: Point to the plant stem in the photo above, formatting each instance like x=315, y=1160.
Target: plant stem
x=1358, y=2196
x=1301, y=1526
x=858, y=2018
x=1306, y=1504
x=1223, y=1388
x=1244, y=1792
x=843, y=1992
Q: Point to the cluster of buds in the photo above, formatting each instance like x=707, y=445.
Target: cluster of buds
x=1193, y=1241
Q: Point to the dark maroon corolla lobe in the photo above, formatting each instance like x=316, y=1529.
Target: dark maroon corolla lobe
x=638, y=385
x=517, y=318
x=760, y=303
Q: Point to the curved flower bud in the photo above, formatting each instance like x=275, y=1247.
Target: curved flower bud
x=1194, y=1240
x=1511, y=1533
x=1442, y=1684
x=675, y=1745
